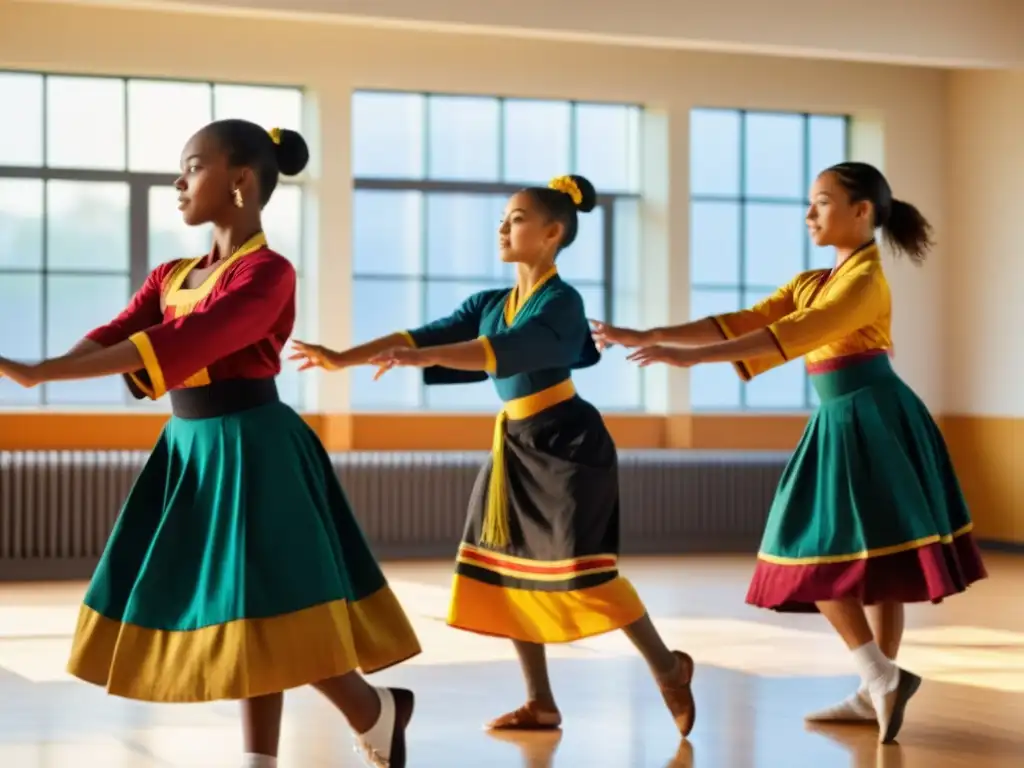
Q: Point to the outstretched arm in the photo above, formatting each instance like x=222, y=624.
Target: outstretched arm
x=697, y=332
x=121, y=358
x=476, y=355
x=317, y=356
x=749, y=345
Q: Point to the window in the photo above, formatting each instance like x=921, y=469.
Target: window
x=88, y=208
x=750, y=175
x=432, y=176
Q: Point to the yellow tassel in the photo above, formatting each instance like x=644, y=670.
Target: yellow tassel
x=495, y=532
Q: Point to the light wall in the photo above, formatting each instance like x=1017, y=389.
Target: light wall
x=902, y=119
x=985, y=311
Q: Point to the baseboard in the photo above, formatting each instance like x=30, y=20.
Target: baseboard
x=995, y=545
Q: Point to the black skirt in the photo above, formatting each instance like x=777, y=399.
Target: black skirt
x=557, y=579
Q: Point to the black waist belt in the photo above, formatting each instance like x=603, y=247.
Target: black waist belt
x=222, y=398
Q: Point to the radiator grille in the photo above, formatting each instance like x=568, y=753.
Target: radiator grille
x=57, y=508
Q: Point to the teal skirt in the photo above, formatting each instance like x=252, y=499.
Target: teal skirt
x=236, y=569
x=869, y=506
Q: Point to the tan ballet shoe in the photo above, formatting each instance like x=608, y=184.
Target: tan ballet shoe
x=678, y=694
x=529, y=717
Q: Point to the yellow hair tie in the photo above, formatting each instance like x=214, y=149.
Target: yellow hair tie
x=568, y=186
x=275, y=135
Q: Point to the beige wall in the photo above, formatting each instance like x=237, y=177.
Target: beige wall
x=985, y=199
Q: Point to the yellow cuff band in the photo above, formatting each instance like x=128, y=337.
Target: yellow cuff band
x=152, y=365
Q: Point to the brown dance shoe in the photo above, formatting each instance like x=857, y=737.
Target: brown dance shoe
x=678, y=694
x=529, y=717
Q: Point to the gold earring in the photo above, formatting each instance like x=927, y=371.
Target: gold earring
x=239, y=202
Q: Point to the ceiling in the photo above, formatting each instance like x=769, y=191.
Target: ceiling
x=942, y=33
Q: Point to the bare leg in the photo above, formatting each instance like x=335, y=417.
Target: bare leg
x=540, y=711
x=643, y=634
x=261, y=725
x=534, y=662
x=887, y=621
x=355, y=699
x=673, y=670
x=890, y=687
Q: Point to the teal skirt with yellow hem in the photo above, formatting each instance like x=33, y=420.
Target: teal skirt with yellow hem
x=869, y=507
x=236, y=569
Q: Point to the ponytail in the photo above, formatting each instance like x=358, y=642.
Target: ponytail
x=908, y=232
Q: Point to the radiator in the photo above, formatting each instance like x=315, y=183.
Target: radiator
x=57, y=508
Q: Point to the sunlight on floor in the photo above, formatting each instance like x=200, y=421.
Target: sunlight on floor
x=34, y=645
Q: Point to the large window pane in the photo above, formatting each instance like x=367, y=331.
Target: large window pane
x=827, y=137
x=537, y=140
x=268, y=107
x=21, y=130
x=441, y=236
x=775, y=235
x=465, y=138
x=282, y=222
x=626, y=264
x=380, y=307
x=762, y=226
x=608, y=146
x=162, y=116
x=74, y=306
x=714, y=386
x=87, y=225
x=714, y=152
x=291, y=383
x=21, y=308
x=85, y=123
x=462, y=236
x=614, y=383
x=821, y=258
x=169, y=237
x=774, y=156
x=584, y=259
x=387, y=233
x=388, y=135
x=21, y=223
x=715, y=243
x=443, y=298
x=779, y=388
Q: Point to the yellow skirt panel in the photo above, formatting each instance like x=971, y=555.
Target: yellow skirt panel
x=543, y=617
x=245, y=658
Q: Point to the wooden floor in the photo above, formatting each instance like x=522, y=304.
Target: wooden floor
x=758, y=674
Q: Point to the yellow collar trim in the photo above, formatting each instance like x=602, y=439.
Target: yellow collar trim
x=177, y=295
x=513, y=303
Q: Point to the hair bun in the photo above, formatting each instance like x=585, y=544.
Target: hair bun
x=588, y=194
x=292, y=151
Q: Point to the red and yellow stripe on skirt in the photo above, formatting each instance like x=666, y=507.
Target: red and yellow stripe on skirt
x=556, y=601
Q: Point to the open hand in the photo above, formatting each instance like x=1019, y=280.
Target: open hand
x=681, y=357
x=314, y=356
x=606, y=335
x=24, y=375
x=397, y=356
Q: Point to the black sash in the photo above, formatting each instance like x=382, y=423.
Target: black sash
x=222, y=398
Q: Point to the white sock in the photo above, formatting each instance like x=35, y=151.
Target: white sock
x=878, y=673
x=252, y=760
